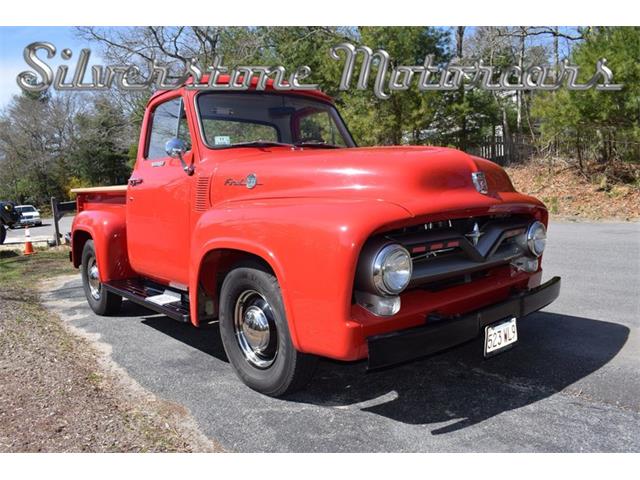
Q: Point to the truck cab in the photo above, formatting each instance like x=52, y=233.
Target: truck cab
x=256, y=210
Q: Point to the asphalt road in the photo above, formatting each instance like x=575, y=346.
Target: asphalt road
x=44, y=232
x=571, y=384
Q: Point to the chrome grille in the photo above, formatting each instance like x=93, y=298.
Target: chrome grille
x=450, y=248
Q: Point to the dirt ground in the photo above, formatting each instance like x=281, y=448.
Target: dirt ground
x=60, y=392
x=571, y=196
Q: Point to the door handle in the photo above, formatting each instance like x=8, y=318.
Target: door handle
x=135, y=181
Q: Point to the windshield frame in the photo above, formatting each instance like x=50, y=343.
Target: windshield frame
x=351, y=143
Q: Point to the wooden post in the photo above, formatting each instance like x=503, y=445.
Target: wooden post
x=56, y=217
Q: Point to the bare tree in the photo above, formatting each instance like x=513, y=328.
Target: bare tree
x=36, y=135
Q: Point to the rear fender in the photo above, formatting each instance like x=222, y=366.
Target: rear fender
x=107, y=229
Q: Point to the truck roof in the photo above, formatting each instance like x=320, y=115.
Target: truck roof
x=224, y=79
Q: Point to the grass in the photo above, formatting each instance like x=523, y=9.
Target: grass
x=56, y=394
x=17, y=270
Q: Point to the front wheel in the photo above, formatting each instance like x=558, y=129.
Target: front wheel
x=255, y=333
x=3, y=233
x=100, y=300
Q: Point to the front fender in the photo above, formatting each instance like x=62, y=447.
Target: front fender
x=312, y=246
x=108, y=231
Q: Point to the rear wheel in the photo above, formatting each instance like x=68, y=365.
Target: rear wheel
x=255, y=333
x=100, y=300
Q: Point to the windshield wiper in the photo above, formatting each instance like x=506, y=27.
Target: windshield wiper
x=268, y=143
x=256, y=143
x=316, y=144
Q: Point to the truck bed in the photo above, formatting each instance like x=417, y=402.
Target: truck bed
x=114, y=188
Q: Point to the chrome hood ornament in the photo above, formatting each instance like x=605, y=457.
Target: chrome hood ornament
x=480, y=182
x=475, y=234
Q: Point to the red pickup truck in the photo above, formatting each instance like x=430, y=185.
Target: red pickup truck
x=256, y=209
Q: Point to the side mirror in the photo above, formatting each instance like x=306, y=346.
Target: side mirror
x=176, y=148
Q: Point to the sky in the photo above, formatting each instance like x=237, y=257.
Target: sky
x=13, y=40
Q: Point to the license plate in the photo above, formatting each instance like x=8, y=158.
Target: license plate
x=500, y=336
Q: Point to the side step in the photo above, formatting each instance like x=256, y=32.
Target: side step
x=156, y=297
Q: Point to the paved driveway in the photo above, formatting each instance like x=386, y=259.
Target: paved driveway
x=40, y=234
x=572, y=384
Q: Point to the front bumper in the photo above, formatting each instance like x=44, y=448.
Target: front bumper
x=403, y=345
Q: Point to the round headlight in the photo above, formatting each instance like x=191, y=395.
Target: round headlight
x=392, y=269
x=536, y=238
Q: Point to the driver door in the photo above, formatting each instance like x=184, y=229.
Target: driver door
x=159, y=200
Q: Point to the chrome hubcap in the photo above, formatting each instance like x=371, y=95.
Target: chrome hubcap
x=255, y=329
x=93, y=275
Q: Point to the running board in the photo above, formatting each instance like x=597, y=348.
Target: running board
x=156, y=297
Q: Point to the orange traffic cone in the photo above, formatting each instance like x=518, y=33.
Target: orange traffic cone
x=28, y=247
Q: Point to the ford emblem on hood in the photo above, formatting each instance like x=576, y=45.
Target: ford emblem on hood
x=480, y=182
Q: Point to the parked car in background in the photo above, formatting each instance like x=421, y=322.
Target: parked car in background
x=29, y=216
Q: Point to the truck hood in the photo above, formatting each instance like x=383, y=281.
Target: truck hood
x=422, y=180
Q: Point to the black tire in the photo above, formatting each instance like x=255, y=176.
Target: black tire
x=3, y=233
x=101, y=302
x=290, y=370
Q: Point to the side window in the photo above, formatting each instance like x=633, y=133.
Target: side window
x=169, y=121
x=319, y=127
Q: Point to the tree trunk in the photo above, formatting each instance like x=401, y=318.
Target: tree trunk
x=519, y=93
x=461, y=93
x=579, y=151
x=506, y=137
x=556, y=49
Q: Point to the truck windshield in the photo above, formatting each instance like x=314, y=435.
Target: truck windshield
x=246, y=119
